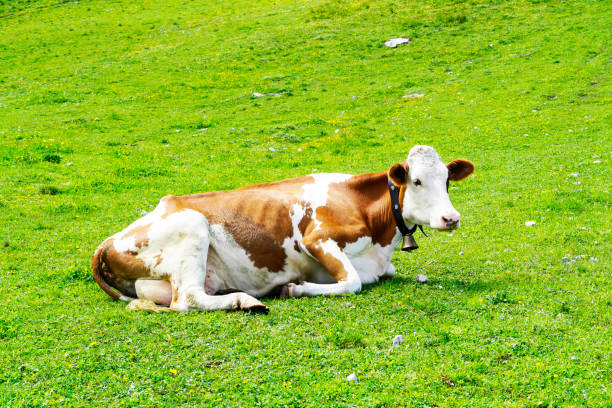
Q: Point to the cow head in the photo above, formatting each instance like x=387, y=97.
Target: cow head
x=426, y=177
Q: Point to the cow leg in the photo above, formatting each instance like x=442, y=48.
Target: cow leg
x=180, y=268
x=188, y=281
x=331, y=257
x=389, y=272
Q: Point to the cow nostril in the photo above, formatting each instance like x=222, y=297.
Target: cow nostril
x=450, y=221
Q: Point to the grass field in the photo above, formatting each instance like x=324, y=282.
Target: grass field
x=106, y=106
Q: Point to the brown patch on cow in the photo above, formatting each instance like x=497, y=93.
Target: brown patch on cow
x=340, y=225
x=305, y=221
x=263, y=245
x=371, y=195
x=124, y=266
x=158, y=259
x=296, y=246
x=257, y=219
x=140, y=234
x=333, y=265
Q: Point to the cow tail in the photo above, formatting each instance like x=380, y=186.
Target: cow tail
x=101, y=273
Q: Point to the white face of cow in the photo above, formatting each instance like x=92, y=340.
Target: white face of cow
x=426, y=201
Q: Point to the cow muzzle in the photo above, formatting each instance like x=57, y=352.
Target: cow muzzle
x=451, y=221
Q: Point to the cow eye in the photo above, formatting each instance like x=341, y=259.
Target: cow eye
x=417, y=182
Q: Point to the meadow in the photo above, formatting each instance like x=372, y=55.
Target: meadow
x=106, y=106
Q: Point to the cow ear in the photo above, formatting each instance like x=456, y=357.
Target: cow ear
x=459, y=169
x=398, y=173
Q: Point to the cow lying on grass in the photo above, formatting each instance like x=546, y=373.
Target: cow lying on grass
x=323, y=234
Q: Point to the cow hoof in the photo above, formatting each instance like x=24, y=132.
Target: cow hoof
x=257, y=309
x=147, y=305
x=287, y=291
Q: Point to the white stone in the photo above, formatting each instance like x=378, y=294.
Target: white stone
x=394, y=42
x=257, y=95
x=530, y=223
x=397, y=340
x=352, y=378
x=414, y=95
x=272, y=149
x=422, y=278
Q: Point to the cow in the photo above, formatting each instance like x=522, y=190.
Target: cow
x=322, y=234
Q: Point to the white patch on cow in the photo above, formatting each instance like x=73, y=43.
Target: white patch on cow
x=125, y=244
x=351, y=284
x=331, y=247
x=128, y=244
x=316, y=194
x=176, y=244
x=370, y=260
x=231, y=266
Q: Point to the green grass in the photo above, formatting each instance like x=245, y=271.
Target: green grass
x=102, y=106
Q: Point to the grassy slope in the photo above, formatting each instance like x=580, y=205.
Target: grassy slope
x=120, y=89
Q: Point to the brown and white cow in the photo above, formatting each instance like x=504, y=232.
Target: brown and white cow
x=321, y=234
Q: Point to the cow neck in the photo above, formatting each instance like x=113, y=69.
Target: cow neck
x=375, y=204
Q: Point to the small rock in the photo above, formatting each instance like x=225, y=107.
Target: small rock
x=257, y=95
x=203, y=130
x=352, y=378
x=337, y=131
x=143, y=212
x=299, y=149
x=596, y=161
x=22, y=367
x=6, y=244
x=397, y=340
x=69, y=164
x=530, y=223
x=353, y=97
x=422, y=278
x=272, y=149
x=461, y=253
x=507, y=250
x=414, y=95
x=593, y=259
x=565, y=259
x=394, y=42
